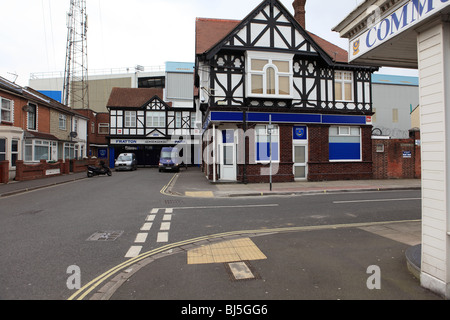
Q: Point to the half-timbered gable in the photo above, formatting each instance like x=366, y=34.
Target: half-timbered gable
x=141, y=121
x=268, y=59
x=305, y=103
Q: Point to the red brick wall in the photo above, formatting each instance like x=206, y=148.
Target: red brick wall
x=392, y=164
x=319, y=166
x=4, y=171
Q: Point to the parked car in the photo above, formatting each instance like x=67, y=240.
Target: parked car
x=169, y=159
x=126, y=161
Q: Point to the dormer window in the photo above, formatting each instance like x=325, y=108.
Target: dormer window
x=269, y=77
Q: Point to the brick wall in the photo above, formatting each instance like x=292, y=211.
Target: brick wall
x=319, y=166
x=397, y=158
x=4, y=171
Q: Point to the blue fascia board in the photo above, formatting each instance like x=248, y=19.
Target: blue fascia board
x=237, y=116
x=343, y=119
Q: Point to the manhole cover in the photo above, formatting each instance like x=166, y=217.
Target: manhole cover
x=105, y=236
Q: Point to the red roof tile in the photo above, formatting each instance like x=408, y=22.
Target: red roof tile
x=133, y=97
x=210, y=32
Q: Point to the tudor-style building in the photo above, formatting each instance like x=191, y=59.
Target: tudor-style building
x=142, y=123
x=266, y=78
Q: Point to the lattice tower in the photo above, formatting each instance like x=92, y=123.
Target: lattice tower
x=76, y=91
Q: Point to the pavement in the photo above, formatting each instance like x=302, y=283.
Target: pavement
x=366, y=261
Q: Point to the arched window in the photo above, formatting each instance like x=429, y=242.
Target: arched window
x=270, y=77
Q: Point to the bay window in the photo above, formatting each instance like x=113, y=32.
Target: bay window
x=156, y=119
x=270, y=77
x=37, y=150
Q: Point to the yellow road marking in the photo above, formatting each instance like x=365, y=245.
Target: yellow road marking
x=89, y=287
x=227, y=251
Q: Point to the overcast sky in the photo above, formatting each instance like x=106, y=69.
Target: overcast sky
x=127, y=33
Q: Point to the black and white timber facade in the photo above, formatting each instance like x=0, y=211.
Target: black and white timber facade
x=267, y=67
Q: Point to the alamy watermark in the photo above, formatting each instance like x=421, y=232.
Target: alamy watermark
x=263, y=148
x=74, y=280
x=374, y=280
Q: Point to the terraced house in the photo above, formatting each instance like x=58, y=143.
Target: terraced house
x=34, y=127
x=270, y=91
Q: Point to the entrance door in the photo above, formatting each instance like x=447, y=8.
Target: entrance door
x=228, y=156
x=300, y=162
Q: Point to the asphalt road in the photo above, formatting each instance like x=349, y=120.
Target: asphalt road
x=46, y=231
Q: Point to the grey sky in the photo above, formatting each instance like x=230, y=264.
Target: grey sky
x=127, y=33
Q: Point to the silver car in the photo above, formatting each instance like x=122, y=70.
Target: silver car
x=126, y=161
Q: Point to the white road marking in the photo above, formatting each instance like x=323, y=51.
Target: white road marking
x=169, y=210
x=151, y=217
x=167, y=217
x=376, y=200
x=163, y=237
x=220, y=207
x=154, y=211
x=147, y=226
x=141, y=238
x=165, y=226
x=133, y=252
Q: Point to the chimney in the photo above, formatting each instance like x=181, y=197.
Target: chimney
x=299, y=9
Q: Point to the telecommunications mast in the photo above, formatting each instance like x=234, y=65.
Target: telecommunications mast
x=75, y=91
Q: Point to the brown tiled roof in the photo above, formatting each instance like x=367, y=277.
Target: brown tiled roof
x=336, y=53
x=133, y=97
x=210, y=32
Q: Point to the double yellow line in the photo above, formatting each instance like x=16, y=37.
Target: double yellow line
x=92, y=285
x=164, y=189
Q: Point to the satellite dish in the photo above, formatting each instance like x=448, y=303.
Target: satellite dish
x=73, y=134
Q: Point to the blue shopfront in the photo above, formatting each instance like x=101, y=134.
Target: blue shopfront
x=298, y=146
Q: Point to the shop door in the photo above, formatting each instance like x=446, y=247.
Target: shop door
x=228, y=156
x=300, y=162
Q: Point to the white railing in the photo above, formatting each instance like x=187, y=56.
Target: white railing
x=99, y=72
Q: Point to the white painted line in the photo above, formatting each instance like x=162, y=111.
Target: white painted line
x=133, y=252
x=163, y=237
x=147, y=226
x=169, y=210
x=167, y=217
x=141, y=237
x=377, y=200
x=154, y=211
x=151, y=217
x=165, y=226
x=240, y=271
x=220, y=207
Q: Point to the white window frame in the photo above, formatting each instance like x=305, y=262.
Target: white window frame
x=35, y=117
x=8, y=110
x=103, y=128
x=130, y=119
x=350, y=134
x=4, y=153
x=68, y=147
x=62, y=122
x=343, y=81
x=275, y=138
x=16, y=153
x=156, y=119
x=39, y=143
x=270, y=58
